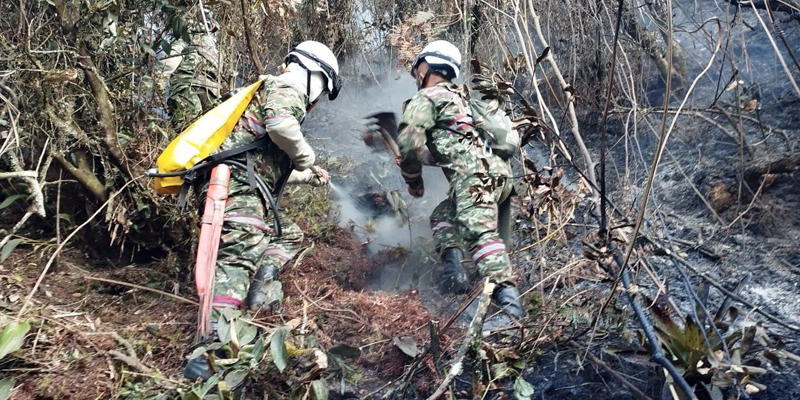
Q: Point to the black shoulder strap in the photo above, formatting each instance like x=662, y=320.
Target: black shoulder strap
x=214, y=159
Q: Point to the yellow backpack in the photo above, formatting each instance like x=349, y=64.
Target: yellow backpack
x=199, y=140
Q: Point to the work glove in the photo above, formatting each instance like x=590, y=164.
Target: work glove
x=314, y=176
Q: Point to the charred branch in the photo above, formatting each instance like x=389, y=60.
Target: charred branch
x=647, y=328
x=784, y=6
x=784, y=165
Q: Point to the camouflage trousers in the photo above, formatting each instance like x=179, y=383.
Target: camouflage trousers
x=469, y=217
x=248, y=242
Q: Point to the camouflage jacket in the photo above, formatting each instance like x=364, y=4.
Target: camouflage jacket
x=438, y=117
x=275, y=102
x=194, y=64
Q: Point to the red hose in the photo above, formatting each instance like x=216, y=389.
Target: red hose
x=208, y=244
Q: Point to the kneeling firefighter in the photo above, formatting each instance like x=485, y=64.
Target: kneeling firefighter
x=440, y=117
x=267, y=150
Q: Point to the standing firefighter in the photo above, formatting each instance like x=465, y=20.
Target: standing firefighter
x=189, y=73
x=439, y=117
x=251, y=253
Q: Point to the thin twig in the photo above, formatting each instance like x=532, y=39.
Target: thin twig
x=603, y=126
x=613, y=372
x=66, y=240
x=775, y=47
x=655, y=346
x=473, y=334
x=722, y=288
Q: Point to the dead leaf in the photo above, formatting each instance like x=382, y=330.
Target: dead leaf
x=321, y=360
x=751, y=389
x=407, y=345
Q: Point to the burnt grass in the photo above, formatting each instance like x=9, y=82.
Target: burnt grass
x=333, y=282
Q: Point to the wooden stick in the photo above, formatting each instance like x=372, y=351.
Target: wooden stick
x=473, y=335
x=616, y=374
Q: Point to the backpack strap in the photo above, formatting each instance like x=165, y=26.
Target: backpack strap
x=214, y=159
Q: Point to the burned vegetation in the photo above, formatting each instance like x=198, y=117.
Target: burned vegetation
x=654, y=224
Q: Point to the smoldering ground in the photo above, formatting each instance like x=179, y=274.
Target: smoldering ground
x=366, y=184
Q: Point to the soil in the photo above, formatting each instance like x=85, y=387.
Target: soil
x=363, y=287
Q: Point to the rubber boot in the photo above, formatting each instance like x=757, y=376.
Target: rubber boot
x=507, y=298
x=454, y=278
x=257, y=297
x=198, y=366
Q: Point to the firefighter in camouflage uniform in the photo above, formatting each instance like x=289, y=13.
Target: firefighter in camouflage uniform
x=251, y=255
x=438, y=117
x=189, y=73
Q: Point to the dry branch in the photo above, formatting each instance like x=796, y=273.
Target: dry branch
x=30, y=177
x=655, y=346
x=248, y=35
x=784, y=165
x=726, y=292
x=777, y=51
x=573, y=117
x=84, y=175
x=473, y=334
x=614, y=373
x=130, y=359
x=64, y=243
x=786, y=6
x=105, y=108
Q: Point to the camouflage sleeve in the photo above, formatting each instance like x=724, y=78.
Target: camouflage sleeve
x=419, y=116
x=281, y=114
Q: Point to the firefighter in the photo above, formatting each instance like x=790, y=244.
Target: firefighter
x=251, y=255
x=438, y=118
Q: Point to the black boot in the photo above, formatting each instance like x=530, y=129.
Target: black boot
x=454, y=278
x=507, y=298
x=198, y=366
x=261, y=291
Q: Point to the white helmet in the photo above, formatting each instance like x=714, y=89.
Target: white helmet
x=442, y=57
x=315, y=56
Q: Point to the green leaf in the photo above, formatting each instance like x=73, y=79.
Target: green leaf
x=8, y=248
x=67, y=218
x=320, y=389
x=210, y=384
x=11, y=199
x=277, y=348
x=12, y=337
x=198, y=352
x=224, y=391
x=346, y=351
x=258, y=349
x=148, y=49
x=247, y=333
x=236, y=377
x=6, y=386
x=224, y=329
x=522, y=389
x=166, y=46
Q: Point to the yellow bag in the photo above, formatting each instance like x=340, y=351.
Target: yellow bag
x=201, y=138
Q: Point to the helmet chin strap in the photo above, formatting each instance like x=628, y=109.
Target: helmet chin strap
x=422, y=83
x=310, y=82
